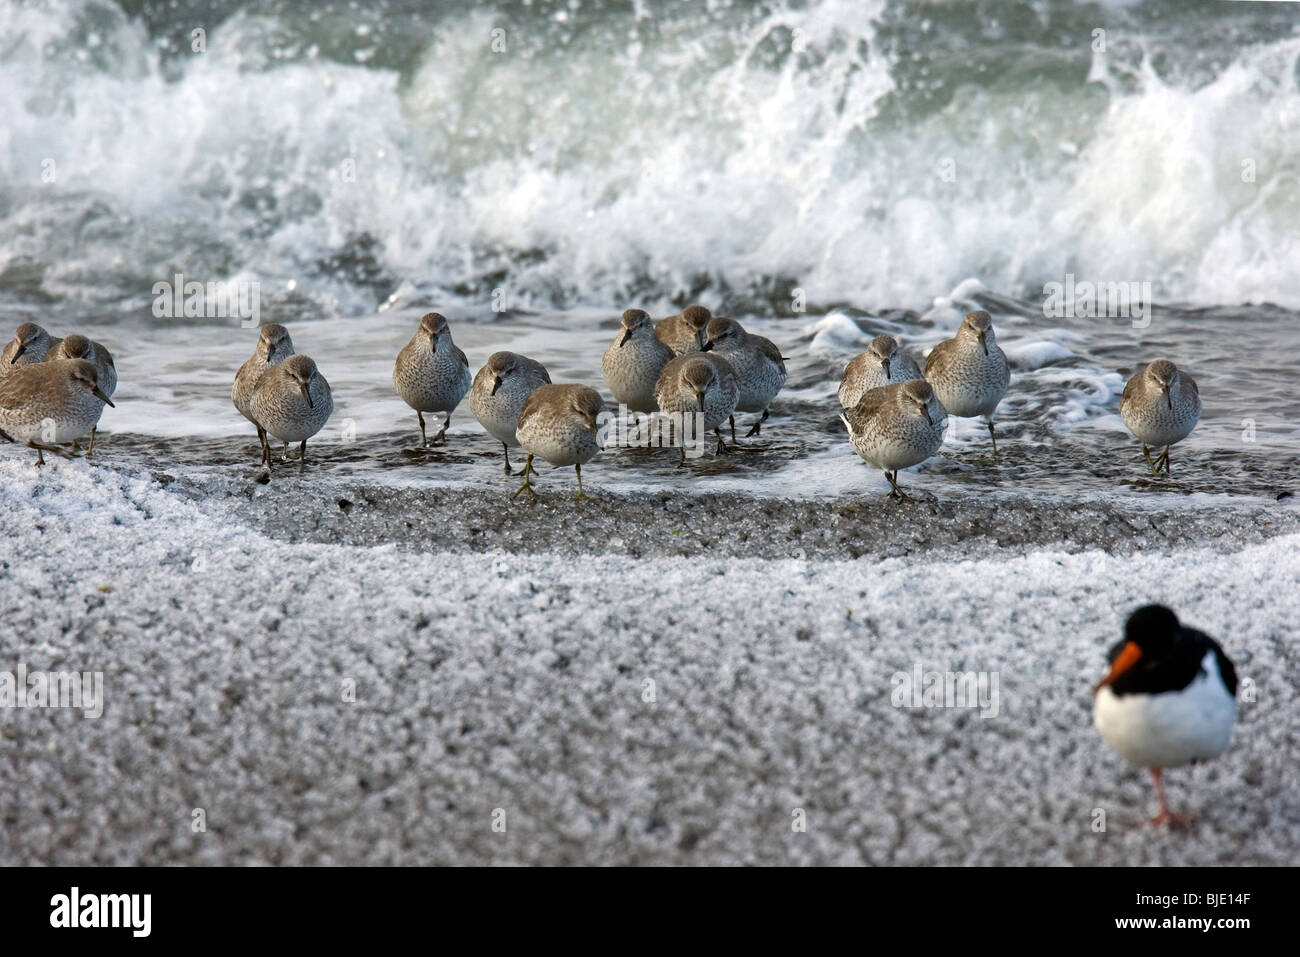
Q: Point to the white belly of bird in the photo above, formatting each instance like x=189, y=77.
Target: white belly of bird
x=435, y=382
x=718, y=406
x=758, y=378
x=1161, y=425
x=301, y=428
x=971, y=398
x=76, y=427
x=25, y=429
x=499, y=414
x=974, y=385
x=288, y=416
x=631, y=371
x=897, y=452
x=559, y=447
x=1169, y=729
x=72, y=422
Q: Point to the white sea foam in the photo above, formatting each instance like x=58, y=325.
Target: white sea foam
x=583, y=172
x=835, y=334
x=1035, y=353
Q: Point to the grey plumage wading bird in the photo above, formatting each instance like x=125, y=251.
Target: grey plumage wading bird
x=292, y=402
x=273, y=346
x=633, y=361
x=53, y=402
x=1161, y=405
x=897, y=426
x=756, y=362
x=883, y=363
x=698, y=383
x=559, y=423
x=684, y=332
x=432, y=374
x=969, y=372
x=30, y=344
x=77, y=346
x=498, y=394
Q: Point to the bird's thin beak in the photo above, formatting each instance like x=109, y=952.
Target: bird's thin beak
x=496, y=384
x=1128, y=657
x=627, y=334
x=700, y=396
x=925, y=410
x=306, y=394
x=884, y=364
x=1169, y=397
x=99, y=394
x=984, y=341
x=18, y=352
x=707, y=347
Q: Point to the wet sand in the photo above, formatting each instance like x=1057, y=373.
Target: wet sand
x=658, y=524
x=384, y=490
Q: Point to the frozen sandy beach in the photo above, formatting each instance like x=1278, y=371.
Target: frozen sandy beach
x=386, y=660
x=615, y=679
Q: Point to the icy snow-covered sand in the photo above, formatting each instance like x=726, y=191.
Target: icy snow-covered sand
x=517, y=681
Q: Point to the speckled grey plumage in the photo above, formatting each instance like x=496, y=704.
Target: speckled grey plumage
x=684, y=332
x=499, y=391
x=46, y=403
x=274, y=345
x=969, y=372
x=1160, y=405
x=431, y=373
x=755, y=361
x=292, y=402
x=883, y=363
x=77, y=346
x=559, y=424
x=30, y=344
x=897, y=426
x=633, y=361
x=698, y=382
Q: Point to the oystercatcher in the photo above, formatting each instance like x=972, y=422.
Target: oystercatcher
x=1170, y=697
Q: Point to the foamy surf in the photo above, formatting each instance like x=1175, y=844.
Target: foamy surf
x=842, y=148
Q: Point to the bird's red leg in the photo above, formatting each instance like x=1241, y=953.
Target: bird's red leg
x=1165, y=816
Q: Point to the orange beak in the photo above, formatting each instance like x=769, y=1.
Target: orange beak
x=1128, y=657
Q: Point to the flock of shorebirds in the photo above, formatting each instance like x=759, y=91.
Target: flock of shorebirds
x=692, y=364
x=1169, y=696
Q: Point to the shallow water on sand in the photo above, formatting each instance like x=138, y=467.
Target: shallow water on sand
x=570, y=161
x=1058, y=427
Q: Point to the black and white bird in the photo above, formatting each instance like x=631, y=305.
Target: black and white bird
x=1169, y=699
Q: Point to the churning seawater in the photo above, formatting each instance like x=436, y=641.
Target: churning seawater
x=824, y=171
